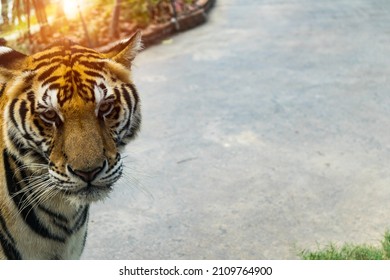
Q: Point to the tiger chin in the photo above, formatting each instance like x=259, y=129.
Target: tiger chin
x=65, y=114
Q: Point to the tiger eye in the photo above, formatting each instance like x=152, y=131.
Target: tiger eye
x=50, y=115
x=105, y=107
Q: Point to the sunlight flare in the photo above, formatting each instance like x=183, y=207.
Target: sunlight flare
x=71, y=9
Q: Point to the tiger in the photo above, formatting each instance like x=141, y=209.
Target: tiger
x=66, y=113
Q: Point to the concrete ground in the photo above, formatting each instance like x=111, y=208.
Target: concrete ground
x=266, y=131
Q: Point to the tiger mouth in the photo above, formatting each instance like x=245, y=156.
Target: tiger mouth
x=91, y=188
x=90, y=192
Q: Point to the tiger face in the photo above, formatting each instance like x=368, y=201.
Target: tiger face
x=68, y=112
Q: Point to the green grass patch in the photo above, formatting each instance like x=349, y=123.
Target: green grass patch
x=351, y=252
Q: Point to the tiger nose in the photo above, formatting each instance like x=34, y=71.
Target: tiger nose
x=86, y=175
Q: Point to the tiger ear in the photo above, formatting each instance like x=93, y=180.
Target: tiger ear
x=125, y=51
x=10, y=61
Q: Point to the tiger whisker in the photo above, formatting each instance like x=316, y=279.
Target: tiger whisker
x=136, y=183
x=37, y=190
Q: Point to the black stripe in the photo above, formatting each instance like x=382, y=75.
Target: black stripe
x=93, y=65
x=43, y=76
x=23, y=113
x=68, y=76
x=46, y=63
x=18, y=145
x=118, y=169
x=40, y=128
x=118, y=98
x=63, y=227
x=81, y=54
x=82, y=57
x=135, y=93
x=90, y=81
x=127, y=97
x=5, y=229
x=42, y=64
x=23, y=109
x=76, y=76
x=117, y=92
x=81, y=220
x=126, y=127
x=137, y=119
x=76, y=49
x=2, y=89
x=39, y=158
x=12, y=112
x=31, y=99
x=28, y=79
x=55, y=86
x=133, y=131
x=93, y=74
x=26, y=212
x=50, y=80
x=8, y=57
x=84, y=240
x=103, y=88
x=54, y=215
x=9, y=249
x=26, y=88
x=7, y=242
x=115, y=113
x=49, y=55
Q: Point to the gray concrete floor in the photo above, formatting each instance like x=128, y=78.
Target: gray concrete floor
x=266, y=131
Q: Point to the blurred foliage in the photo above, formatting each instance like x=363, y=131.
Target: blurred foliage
x=31, y=25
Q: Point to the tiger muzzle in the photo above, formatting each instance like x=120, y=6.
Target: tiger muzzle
x=86, y=175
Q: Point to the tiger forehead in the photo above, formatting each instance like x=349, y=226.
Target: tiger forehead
x=74, y=58
x=70, y=70
x=66, y=52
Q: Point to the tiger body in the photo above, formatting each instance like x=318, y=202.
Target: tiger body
x=65, y=114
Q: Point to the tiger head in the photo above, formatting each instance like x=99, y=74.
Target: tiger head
x=67, y=111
